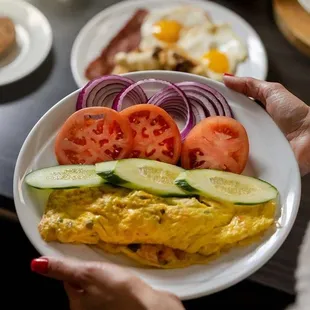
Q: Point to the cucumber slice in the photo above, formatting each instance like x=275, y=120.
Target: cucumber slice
x=65, y=176
x=152, y=176
x=226, y=186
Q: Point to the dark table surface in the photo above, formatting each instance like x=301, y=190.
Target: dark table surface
x=24, y=102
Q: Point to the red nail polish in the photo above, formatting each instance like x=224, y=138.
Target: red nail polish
x=228, y=74
x=39, y=265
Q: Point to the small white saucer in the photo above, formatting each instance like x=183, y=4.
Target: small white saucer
x=34, y=40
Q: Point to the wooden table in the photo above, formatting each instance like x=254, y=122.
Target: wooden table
x=24, y=102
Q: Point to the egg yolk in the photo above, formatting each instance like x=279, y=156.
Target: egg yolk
x=218, y=62
x=167, y=30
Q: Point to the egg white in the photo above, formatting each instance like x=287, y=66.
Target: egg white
x=198, y=40
x=186, y=16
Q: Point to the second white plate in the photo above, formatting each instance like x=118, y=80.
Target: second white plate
x=33, y=40
x=101, y=28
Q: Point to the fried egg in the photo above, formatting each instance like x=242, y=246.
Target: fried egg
x=217, y=49
x=163, y=27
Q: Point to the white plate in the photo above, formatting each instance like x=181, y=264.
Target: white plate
x=271, y=159
x=101, y=28
x=34, y=40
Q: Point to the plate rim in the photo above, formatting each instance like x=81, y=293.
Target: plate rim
x=305, y=5
x=49, y=40
x=200, y=292
x=123, y=4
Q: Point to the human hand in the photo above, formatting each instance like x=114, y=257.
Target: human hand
x=290, y=113
x=96, y=285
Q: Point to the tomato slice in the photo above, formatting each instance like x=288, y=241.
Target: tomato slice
x=217, y=142
x=93, y=135
x=156, y=135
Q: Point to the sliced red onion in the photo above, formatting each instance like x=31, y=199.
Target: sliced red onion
x=207, y=105
x=131, y=95
x=189, y=102
x=101, y=91
x=173, y=100
x=199, y=111
x=218, y=101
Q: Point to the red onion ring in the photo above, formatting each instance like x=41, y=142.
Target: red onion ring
x=216, y=98
x=98, y=91
x=174, y=101
x=131, y=95
x=189, y=101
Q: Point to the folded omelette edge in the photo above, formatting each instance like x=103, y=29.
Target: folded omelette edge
x=170, y=232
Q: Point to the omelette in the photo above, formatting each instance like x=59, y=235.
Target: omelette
x=163, y=232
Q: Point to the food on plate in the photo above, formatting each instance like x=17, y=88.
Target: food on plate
x=104, y=91
x=217, y=142
x=167, y=232
x=186, y=102
x=159, y=256
x=178, y=38
x=156, y=135
x=226, y=186
x=148, y=175
x=216, y=49
x=64, y=176
x=127, y=39
x=163, y=208
x=93, y=135
x=7, y=35
x=131, y=122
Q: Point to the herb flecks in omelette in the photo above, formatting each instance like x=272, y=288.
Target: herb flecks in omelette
x=169, y=232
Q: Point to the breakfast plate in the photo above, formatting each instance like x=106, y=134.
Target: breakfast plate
x=33, y=40
x=270, y=159
x=102, y=28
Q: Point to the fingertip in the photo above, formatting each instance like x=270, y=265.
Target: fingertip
x=39, y=265
x=229, y=78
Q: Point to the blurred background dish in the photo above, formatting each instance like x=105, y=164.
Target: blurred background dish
x=7, y=36
x=26, y=36
x=294, y=22
x=305, y=4
x=229, y=43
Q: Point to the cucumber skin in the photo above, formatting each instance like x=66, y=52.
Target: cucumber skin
x=185, y=186
x=110, y=177
x=48, y=188
x=251, y=204
x=67, y=187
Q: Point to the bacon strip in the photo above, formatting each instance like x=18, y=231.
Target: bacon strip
x=127, y=39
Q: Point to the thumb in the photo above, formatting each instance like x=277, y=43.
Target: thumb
x=59, y=269
x=257, y=89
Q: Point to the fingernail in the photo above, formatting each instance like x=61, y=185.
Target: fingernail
x=39, y=265
x=228, y=74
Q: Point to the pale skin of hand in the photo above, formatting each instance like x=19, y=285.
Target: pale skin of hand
x=290, y=113
x=103, y=286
